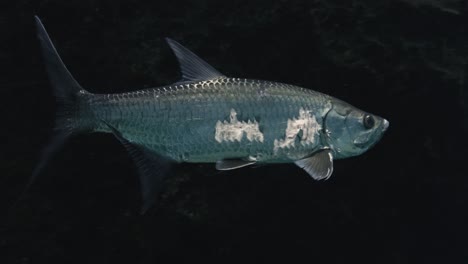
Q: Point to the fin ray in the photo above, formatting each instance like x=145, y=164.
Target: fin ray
x=193, y=68
x=67, y=92
x=319, y=166
x=56, y=69
x=152, y=169
x=232, y=164
x=55, y=144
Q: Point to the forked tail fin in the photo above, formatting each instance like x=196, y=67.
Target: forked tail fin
x=67, y=92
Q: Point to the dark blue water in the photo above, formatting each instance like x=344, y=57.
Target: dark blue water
x=405, y=201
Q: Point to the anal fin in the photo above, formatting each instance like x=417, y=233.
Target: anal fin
x=152, y=169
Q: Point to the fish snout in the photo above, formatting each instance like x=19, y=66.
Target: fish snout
x=385, y=125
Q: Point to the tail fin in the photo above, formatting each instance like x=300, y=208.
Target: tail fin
x=66, y=88
x=67, y=92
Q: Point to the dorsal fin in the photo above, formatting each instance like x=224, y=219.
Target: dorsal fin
x=192, y=67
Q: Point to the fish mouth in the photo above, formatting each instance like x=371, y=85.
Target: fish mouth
x=385, y=125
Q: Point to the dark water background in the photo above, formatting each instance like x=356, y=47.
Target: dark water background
x=405, y=201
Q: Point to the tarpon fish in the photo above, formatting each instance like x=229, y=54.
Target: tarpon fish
x=208, y=117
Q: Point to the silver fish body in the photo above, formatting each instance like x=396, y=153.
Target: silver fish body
x=212, y=120
x=208, y=117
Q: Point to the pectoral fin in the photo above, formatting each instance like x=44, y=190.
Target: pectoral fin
x=231, y=164
x=152, y=169
x=319, y=166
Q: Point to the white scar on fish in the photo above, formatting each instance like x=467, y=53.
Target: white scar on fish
x=234, y=130
x=306, y=123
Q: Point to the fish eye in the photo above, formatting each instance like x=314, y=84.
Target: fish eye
x=368, y=121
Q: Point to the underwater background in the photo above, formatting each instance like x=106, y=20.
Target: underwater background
x=404, y=201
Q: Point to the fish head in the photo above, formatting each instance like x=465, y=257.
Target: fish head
x=350, y=131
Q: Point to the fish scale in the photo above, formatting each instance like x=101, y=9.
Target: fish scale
x=184, y=117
